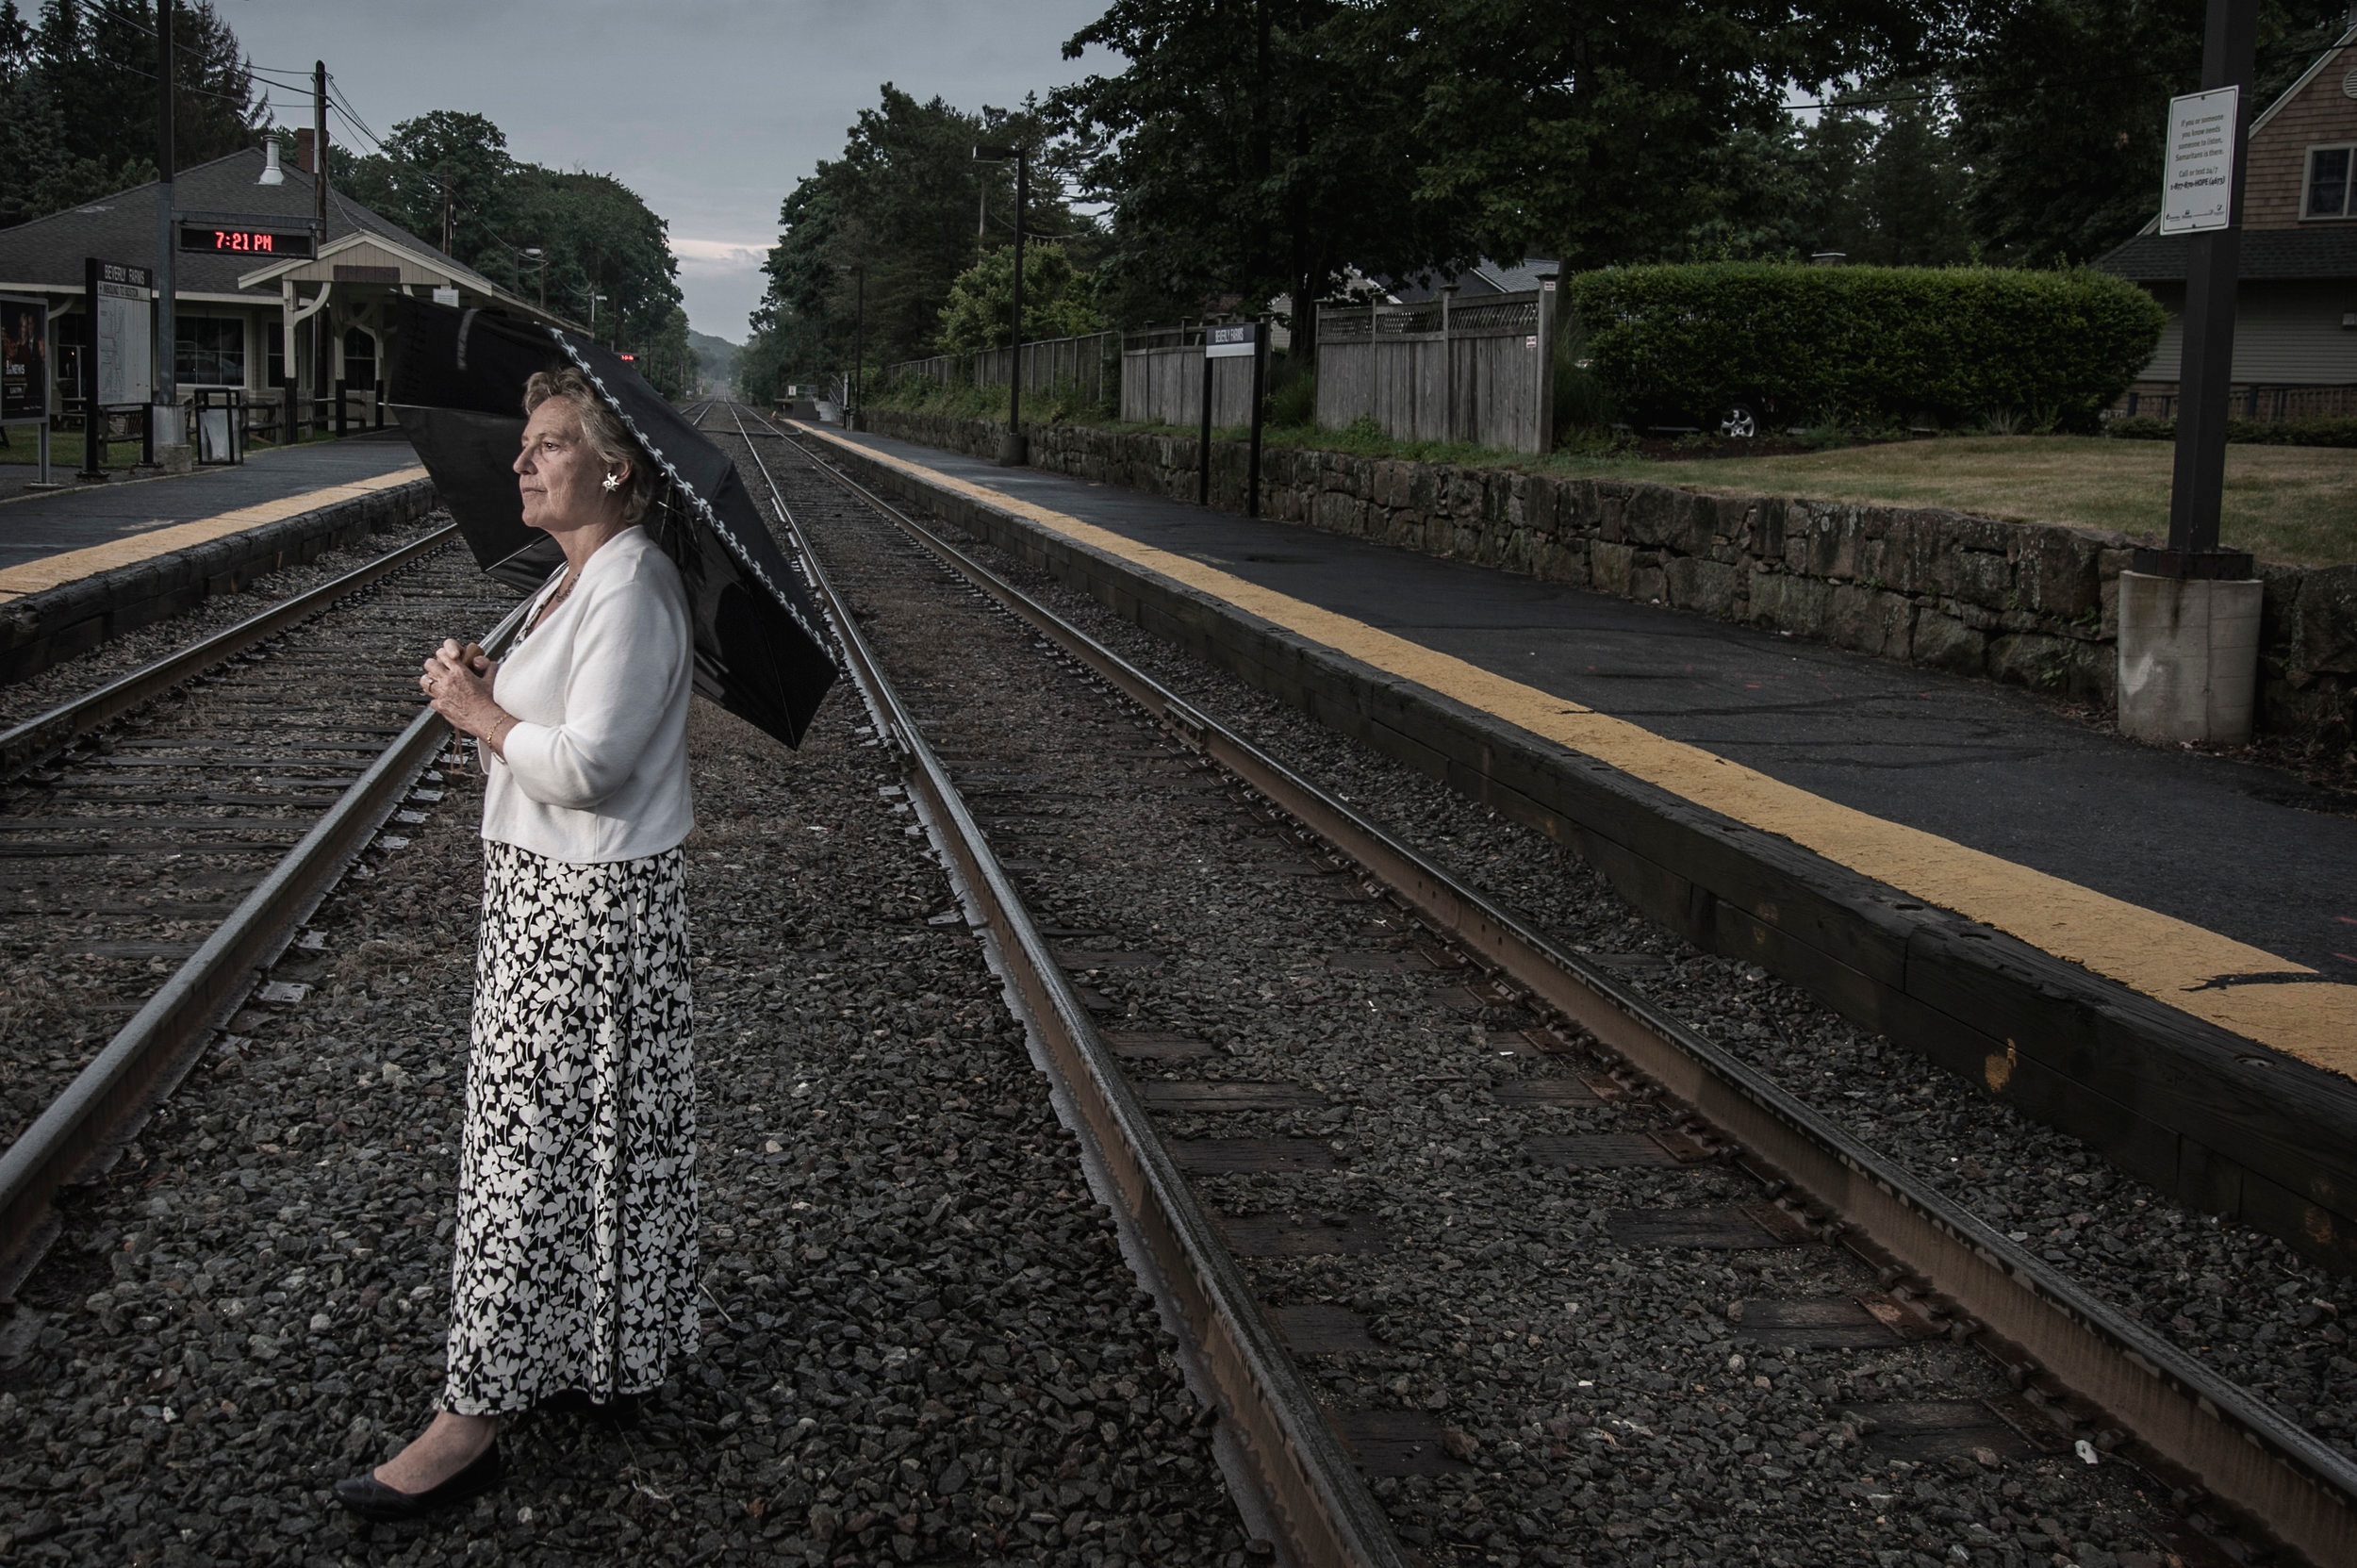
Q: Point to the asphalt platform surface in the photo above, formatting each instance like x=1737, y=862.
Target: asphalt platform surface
x=2244, y=851
x=37, y=525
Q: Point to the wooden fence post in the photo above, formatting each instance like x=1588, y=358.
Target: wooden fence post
x=1448, y=366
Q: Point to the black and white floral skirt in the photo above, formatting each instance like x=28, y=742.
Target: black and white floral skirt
x=574, y=1263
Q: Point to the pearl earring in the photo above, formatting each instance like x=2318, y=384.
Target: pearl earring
x=613, y=482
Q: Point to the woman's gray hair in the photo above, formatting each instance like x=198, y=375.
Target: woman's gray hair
x=601, y=429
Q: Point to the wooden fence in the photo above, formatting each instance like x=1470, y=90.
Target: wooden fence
x=1162, y=381
x=1479, y=370
x=1085, y=362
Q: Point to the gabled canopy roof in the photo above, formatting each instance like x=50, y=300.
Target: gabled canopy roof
x=47, y=253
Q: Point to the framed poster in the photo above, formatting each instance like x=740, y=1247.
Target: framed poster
x=24, y=359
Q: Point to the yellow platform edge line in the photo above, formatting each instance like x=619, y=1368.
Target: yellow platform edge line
x=53, y=572
x=2172, y=961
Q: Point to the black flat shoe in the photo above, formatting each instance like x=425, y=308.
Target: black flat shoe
x=371, y=1499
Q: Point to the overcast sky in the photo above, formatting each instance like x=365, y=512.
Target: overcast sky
x=709, y=109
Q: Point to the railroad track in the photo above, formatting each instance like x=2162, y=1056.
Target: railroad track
x=1242, y=1144
x=163, y=836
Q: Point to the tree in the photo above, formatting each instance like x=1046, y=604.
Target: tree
x=77, y=100
x=2060, y=104
x=1266, y=145
x=443, y=164
x=899, y=210
x=1058, y=301
x=1588, y=131
x=1248, y=149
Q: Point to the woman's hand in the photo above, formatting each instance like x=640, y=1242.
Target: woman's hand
x=457, y=682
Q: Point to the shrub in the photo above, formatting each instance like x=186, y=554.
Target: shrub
x=1864, y=345
x=1293, y=393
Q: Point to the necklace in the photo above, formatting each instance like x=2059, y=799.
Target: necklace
x=564, y=591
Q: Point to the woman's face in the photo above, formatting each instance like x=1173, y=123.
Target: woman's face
x=560, y=476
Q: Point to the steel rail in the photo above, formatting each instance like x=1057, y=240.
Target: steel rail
x=145, y=1061
x=1309, y=1491
x=36, y=738
x=2196, y=1426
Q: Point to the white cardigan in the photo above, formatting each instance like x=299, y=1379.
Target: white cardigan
x=596, y=769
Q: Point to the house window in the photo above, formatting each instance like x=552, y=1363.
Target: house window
x=2328, y=182
x=209, y=351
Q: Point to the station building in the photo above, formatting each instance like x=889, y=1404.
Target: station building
x=2296, y=305
x=271, y=304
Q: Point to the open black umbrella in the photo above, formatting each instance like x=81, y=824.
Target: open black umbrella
x=459, y=376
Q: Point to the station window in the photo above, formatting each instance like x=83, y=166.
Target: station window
x=275, y=358
x=2328, y=182
x=360, y=359
x=209, y=351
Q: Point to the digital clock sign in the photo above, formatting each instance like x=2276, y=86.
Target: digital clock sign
x=214, y=240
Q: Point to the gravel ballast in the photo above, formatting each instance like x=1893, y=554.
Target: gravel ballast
x=144, y=645
x=2266, y=1317
x=1568, y=1394
x=922, y=1343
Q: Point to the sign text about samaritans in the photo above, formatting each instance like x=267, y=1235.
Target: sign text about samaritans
x=2197, y=190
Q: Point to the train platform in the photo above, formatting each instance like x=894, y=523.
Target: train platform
x=80, y=566
x=62, y=534
x=2033, y=901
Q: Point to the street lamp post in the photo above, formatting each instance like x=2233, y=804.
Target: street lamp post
x=1012, y=446
x=539, y=257
x=858, y=413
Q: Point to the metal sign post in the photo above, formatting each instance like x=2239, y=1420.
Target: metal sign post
x=1260, y=388
x=1226, y=343
x=2188, y=613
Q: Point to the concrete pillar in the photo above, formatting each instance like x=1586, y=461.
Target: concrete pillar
x=2188, y=657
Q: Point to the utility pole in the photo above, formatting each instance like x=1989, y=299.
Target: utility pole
x=2189, y=612
x=319, y=211
x=446, y=215
x=1012, y=446
x=163, y=411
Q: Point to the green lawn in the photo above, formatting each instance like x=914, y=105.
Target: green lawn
x=2293, y=504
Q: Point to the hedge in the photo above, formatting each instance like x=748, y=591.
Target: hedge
x=1862, y=346
x=2341, y=433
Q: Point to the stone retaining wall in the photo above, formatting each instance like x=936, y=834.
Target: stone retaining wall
x=2032, y=603
x=48, y=627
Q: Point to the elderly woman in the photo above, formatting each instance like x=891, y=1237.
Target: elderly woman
x=574, y=1258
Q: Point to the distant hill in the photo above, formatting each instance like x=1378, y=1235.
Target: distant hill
x=715, y=359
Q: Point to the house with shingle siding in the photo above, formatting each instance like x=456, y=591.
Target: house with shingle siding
x=2296, y=302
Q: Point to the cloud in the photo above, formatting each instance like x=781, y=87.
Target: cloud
x=717, y=255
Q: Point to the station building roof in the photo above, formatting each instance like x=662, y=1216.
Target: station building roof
x=47, y=255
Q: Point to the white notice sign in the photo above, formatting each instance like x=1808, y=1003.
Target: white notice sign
x=1231, y=342
x=123, y=360
x=2198, y=190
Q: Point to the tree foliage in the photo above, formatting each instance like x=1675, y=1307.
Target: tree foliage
x=2061, y=103
x=1251, y=148
x=593, y=233
x=1257, y=147
x=1058, y=300
x=898, y=210
x=78, y=99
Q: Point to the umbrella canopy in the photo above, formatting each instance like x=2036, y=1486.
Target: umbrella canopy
x=461, y=374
